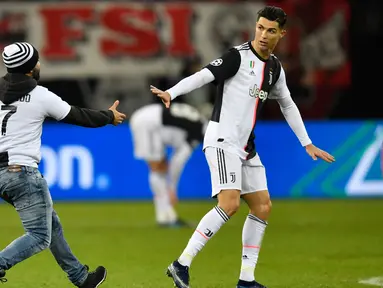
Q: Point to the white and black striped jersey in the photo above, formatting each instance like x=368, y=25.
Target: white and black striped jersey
x=21, y=125
x=181, y=122
x=244, y=82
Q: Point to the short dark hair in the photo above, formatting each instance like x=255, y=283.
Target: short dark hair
x=273, y=13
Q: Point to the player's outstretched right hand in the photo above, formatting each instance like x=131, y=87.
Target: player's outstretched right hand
x=118, y=116
x=165, y=96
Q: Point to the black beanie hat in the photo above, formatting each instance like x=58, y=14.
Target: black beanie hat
x=20, y=57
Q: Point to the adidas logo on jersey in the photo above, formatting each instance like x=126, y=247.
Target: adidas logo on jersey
x=252, y=73
x=256, y=92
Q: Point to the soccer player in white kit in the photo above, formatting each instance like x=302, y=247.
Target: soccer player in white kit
x=246, y=76
x=24, y=105
x=155, y=128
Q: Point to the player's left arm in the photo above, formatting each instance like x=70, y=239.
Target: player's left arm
x=293, y=117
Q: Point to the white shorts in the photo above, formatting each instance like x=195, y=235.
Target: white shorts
x=147, y=142
x=229, y=171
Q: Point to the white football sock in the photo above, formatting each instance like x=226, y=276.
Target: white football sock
x=165, y=213
x=252, y=235
x=207, y=227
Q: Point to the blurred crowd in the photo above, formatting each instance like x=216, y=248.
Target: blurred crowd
x=320, y=55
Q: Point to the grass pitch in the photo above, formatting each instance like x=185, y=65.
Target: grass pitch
x=332, y=243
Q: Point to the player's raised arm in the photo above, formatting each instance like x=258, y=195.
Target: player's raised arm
x=293, y=117
x=185, y=86
x=218, y=71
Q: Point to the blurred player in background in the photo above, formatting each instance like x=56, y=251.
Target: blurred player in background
x=154, y=129
x=246, y=76
x=24, y=107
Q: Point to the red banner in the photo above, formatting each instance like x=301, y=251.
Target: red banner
x=95, y=39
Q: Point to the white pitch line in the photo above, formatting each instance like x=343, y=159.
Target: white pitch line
x=375, y=281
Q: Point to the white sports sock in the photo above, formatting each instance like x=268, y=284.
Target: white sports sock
x=252, y=235
x=165, y=213
x=207, y=227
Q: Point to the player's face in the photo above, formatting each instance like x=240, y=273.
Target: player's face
x=267, y=34
x=36, y=72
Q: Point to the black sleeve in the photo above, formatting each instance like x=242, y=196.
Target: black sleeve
x=88, y=117
x=226, y=66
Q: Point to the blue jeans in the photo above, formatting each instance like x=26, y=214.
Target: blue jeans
x=28, y=192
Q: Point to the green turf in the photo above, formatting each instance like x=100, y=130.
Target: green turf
x=307, y=244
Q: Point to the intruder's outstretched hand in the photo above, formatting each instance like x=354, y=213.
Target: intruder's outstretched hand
x=118, y=116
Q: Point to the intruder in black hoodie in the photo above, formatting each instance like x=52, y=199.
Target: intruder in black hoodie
x=24, y=106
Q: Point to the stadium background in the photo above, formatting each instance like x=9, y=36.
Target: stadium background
x=94, y=52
